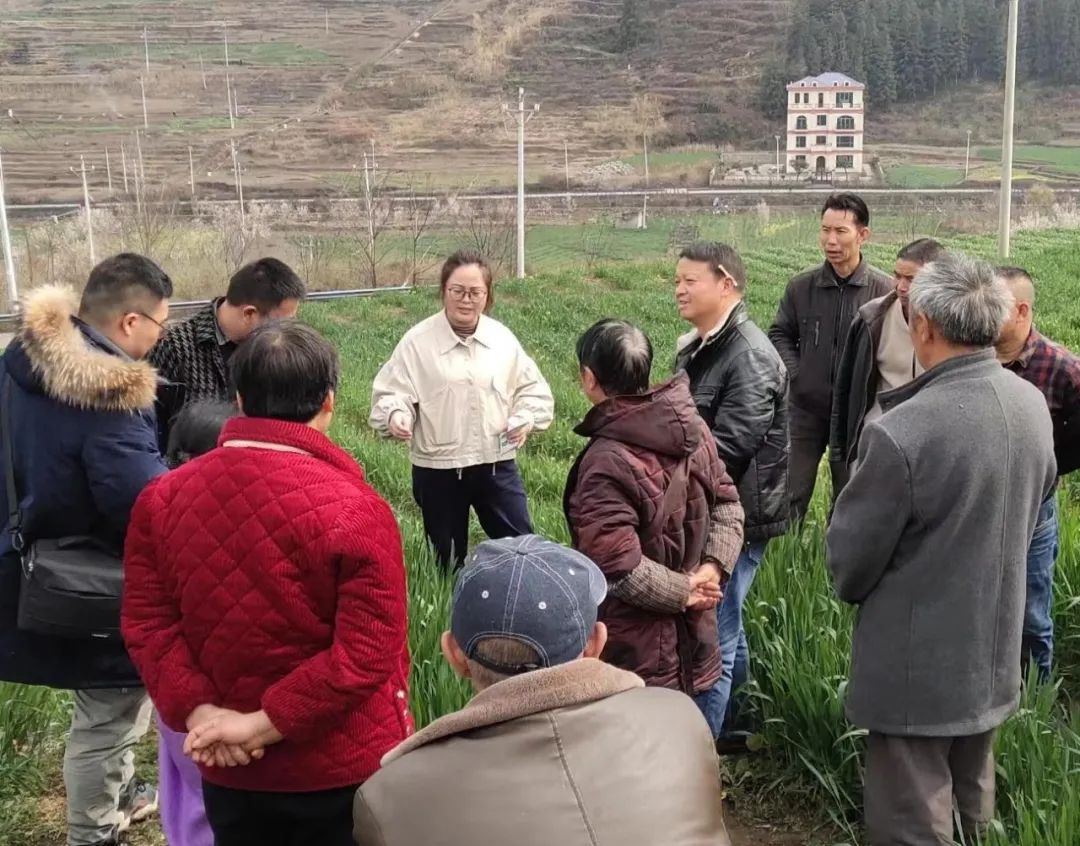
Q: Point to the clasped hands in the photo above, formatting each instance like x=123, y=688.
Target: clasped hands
x=219, y=737
x=706, y=587
x=400, y=427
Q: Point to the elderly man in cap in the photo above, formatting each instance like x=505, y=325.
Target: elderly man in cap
x=949, y=480
x=556, y=747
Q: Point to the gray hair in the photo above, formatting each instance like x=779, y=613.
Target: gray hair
x=964, y=298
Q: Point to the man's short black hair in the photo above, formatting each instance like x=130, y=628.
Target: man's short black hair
x=720, y=257
x=1014, y=274
x=284, y=371
x=196, y=429
x=848, y=202
x=619, y=355
x=265, y=284
x=922, y=251
x=122, y=284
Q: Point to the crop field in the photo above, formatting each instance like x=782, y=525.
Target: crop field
x=808, y=759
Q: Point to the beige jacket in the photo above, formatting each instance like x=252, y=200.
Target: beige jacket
x=459, y=395
x=574, y=755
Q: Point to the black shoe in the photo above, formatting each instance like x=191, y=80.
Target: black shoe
x=735, y=743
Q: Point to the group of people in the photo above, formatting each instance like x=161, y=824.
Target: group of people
x=263, y=608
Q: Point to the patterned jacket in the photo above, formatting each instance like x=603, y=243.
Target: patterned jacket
x=191, y=362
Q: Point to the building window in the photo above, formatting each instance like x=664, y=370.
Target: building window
x=845, y=162
x=806, y=99
x=845, y=99
x=800, y=160
x=821, y=141
x=845, y=122
x=822, y=120
x=797, y=101
x=800, y=122
x=847, y=141
x=800, y=141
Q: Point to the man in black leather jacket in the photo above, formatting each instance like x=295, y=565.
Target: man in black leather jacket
x=739, y=385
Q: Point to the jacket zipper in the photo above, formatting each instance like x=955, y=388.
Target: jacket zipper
x=836, y=333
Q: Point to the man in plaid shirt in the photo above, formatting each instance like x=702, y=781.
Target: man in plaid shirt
x=1055, y=371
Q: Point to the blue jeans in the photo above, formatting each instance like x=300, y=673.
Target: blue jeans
x=1038, y=642
x=734, y=654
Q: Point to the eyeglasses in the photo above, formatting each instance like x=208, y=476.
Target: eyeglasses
x=159, y=324
x=472, y=295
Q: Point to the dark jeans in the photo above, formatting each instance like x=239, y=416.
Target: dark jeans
x=809, y=436
x=494, y=491
x=734, y=652
x=254, y=818
x=1038, y=643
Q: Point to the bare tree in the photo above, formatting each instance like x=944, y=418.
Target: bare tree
x=596, y=242
x=488, y=226
x=420, y=212
x=371, y=219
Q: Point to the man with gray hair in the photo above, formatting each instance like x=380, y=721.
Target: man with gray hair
x=949, y=480
x=556, y=747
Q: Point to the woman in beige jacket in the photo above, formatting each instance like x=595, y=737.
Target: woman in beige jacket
x=465, y=395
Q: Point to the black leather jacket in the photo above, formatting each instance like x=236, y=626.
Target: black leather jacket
x=740, y=385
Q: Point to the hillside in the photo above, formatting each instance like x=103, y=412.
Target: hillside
x=425, y=80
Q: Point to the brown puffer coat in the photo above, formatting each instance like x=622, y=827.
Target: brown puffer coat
x=613, y=502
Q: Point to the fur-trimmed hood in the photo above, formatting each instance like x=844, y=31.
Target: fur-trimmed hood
x=70, y=363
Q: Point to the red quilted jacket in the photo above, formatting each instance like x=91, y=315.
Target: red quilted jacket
x=268, y=574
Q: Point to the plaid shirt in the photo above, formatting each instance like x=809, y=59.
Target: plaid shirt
x=1055, y=371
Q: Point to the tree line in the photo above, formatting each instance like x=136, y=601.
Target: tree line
x=906, y=50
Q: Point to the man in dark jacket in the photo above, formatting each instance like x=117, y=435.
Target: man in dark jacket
x=809, y=332
x=739, y=386
x=878, y=356
x=193, y=357
x=650, y=502
x=929, y=541
x=78, y=407
x=1055, y=371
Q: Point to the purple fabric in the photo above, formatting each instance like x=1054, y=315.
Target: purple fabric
x=183, y=816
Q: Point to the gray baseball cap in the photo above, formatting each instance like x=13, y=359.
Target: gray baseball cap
x=528, y=589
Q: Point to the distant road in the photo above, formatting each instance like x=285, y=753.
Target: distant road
x=60, y=208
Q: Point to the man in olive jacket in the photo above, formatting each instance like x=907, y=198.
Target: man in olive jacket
x=556, y=747
x=930, y=540
x=809, y=331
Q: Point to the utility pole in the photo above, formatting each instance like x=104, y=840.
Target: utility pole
x=645, y=199
x=326, y=21
x=967, y=158
x=140, y=175
x=777, y=154
x=228, y=83
x=9, y=259
x=123, y=162
x=86, y=206
x=522, y=119
x=142, y=87
x=108, y=169
x=146, y=49
x=239, y=184
x=1005, y=229
x=202, y=70
x=370, y=205
x=191, y=171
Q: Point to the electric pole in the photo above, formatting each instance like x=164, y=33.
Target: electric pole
x=1005, y=229
x=146, y=49
x=777, y=155
x=86, y=205
x=191, y=172
x=9, y=259
x=967, y=157
x=108, y=169
x=123, y=163
x=239, y=184
x=142, y=87
x=522, y=119
x=645, y=199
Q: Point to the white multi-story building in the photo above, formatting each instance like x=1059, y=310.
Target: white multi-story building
x=825, y=125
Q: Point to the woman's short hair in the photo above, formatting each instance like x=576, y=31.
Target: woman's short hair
x=619, y=355
x=196, y=429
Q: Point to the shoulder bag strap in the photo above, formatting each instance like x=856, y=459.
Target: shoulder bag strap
x=14, y=509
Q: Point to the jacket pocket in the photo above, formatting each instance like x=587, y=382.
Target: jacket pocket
x=497, y=401
x=809, y=333
x=441, y=418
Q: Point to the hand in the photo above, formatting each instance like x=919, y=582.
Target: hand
x=516, y=437
x=231, y=739
x=399, y=426
x=203, y=714
x=704, y=591
x=712, y=571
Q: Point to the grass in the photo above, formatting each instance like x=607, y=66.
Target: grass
x=277, y=53
x=1063, y=159
x=923, y=176
x=800, y=635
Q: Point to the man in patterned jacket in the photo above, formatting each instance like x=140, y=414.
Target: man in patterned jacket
x=193, y=356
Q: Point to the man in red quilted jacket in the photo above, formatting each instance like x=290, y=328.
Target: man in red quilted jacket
x=265, y=606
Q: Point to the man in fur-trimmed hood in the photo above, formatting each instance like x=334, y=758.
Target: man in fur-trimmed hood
x=78, y=407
